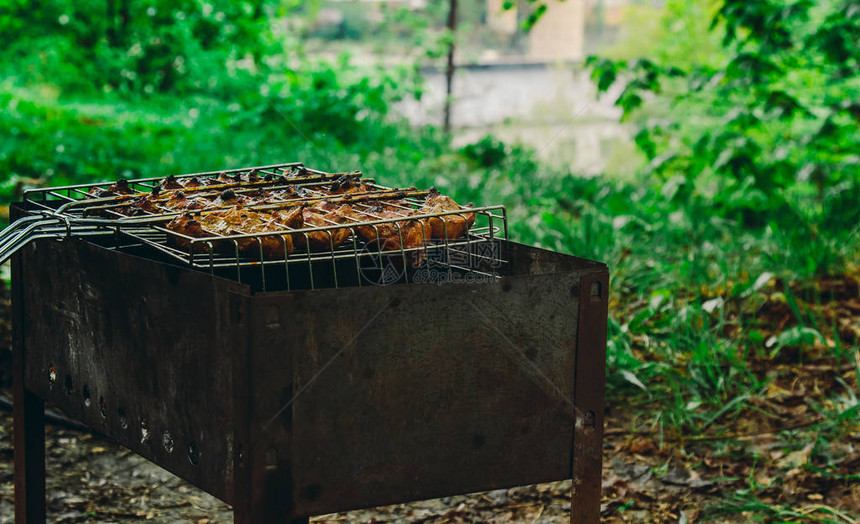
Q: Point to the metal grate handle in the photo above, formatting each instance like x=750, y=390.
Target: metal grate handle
x=48, y=225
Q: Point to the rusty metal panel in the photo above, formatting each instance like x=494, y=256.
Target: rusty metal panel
x=135, y=349
x=379, y=395
x=528, y=260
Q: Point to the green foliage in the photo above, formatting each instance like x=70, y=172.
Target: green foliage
x=771, y=132
x=487, y=152
x=533, y=9
x=134, y=46
x=676, y=33
x=331, y=116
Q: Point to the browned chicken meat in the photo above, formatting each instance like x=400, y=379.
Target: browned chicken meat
x=325, y=214
x=348, y=184
x=392, y=236
x=447, y=226
x=235, y=221
x=170, y=183
x=291, y=218
x=280, y=216
x=179, y=201
x=120, y=187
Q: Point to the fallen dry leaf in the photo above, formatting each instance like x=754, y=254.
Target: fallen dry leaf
x=796, y=459
x=642, y=446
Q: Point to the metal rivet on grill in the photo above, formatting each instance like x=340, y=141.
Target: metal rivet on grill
x=193, y=453
x=167, y=442
x=144, y=431
x=273, y=316
x=86, y=393
x=271, y=458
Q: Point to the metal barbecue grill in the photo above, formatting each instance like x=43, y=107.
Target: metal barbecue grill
x=80, y=211
x=324, y=379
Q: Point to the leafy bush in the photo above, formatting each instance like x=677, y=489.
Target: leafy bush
x=769, y=134
x=134, y=46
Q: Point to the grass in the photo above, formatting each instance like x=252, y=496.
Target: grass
x=748, y=505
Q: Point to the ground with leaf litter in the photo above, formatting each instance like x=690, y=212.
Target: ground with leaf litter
x=789, y=452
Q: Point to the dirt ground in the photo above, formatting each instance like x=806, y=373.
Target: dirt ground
x=93, y=480
x=90, y=479
x=647, y=477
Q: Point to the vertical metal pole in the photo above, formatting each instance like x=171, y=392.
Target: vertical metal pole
x=29, y=421
x=29, y=442
x=588, y=394
x=242, y=495
x=449, y=70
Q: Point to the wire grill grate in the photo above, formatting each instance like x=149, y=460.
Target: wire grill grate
x=111, y=213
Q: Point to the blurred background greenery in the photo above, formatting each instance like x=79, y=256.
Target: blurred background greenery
x=745, y=184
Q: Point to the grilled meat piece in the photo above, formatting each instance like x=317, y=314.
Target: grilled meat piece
x=170, y=183
x=280, y=195
x=99, y=192
x=239, y=221
x=448, y=226
x=235, y=221
x=121, y=187
x=146, y=204
x=192, y=182
x=179, y=201
x=350, y=184
x=291, y=218
x=188, y=226
x=325, y=214
x=228, y=197
x=392, y=236
x=230, y=213
x=226, y=178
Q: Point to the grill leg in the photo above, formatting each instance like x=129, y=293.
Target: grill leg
x=29, y=440
x=29, y=421
x=588, y=397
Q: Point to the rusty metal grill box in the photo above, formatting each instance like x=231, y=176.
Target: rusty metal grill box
x=288, y=404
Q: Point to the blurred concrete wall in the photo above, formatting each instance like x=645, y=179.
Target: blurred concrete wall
x=557, y=37
x=501, y=20
x=560, y=33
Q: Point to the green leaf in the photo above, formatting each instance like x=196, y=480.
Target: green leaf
x=633, y=379
x=799, y=335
